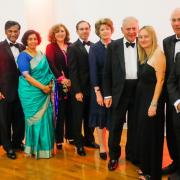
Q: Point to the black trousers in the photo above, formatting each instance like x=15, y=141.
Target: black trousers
x=12, y=124
x=125, y=106
x=81, y=116
x=170, y=131
x=64, y=121
x=176, y=121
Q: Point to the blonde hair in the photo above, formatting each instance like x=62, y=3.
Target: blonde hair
x=104, y=21
x=141, y=52
x=55, y=29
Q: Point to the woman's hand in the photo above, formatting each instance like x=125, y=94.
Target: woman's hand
x=48, y=88
x=152, y=111
x=1, y=96
x=66, y=82
x=99, y=98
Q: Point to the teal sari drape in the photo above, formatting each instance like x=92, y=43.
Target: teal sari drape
x=37, y=107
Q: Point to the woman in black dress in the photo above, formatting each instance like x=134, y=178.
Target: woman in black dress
x=97, y=54
x=149, y=106
x=57, y=58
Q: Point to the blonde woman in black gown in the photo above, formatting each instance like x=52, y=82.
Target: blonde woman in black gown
x=148, y=104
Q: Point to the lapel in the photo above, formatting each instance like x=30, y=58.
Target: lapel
x=81, y=47
x=172, y=47
x=8, y=49
x=138, y=62
x=120, y=54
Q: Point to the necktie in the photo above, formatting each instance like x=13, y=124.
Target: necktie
x=130, y=44
x=88, y=43
x=15, y=45
x=176, y=40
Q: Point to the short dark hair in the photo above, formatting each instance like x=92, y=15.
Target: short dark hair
x=9, y=24
x=27, y=34
x=82, y=21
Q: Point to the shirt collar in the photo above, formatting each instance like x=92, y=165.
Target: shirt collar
x=81, y=40
x=10, y=41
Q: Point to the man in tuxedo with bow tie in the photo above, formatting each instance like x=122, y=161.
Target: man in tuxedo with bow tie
x=11, y=113
x=171, y=47
x=119, y=86
x=80, y=89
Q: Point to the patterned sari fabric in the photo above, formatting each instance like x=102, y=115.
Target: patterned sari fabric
x=38, y=110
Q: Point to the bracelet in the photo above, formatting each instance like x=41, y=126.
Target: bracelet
x=154, y=104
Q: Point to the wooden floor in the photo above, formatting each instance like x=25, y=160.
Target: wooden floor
x=67, y=165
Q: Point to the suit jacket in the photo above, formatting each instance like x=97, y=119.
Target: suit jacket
x=114, y=71
x=79, y=68
x=173, y=82
x=169, y=50
x=9, y=73
x=56, y=60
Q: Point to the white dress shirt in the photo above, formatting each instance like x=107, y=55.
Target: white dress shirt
x=130, y=58
x=14, y=50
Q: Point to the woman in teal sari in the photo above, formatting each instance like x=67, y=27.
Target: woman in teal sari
x=35, y=86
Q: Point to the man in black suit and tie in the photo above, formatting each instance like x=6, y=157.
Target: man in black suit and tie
x=80, y=89
x=173, y=85
x=171, y=46
x=11, y=113
x=119, y=83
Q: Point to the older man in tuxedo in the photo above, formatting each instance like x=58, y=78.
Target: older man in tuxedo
x=11, y=113
x=174, y=95
x=171, y=46
x=119, y=85
x=80, y=89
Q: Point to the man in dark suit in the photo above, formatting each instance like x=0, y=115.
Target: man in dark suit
x=11, y=113
x=119, y=85
x=80, y=89
x=171, y=46
x=173, y=85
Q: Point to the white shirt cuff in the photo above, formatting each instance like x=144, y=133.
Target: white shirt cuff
x=107, y=97
x=176, y=104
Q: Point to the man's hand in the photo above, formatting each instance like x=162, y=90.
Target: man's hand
x=79, y=97
x=1, y=96
x=108, y=102
x=178, y=107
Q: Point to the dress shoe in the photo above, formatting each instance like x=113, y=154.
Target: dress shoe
x=81, y=151
x=175, y=176
x=59, y=146
x=103, y=155
x=171, y=168
x=112, y=164
x=91, y=145
x=71, y=141
x=145, y=177
x=11, y=154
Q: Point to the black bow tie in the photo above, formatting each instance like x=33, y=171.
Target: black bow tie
x=88, y=43
x=15, y=45
x=176, y=40
x=130, y=44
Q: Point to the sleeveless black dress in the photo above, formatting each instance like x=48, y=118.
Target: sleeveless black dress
x=150, y=130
